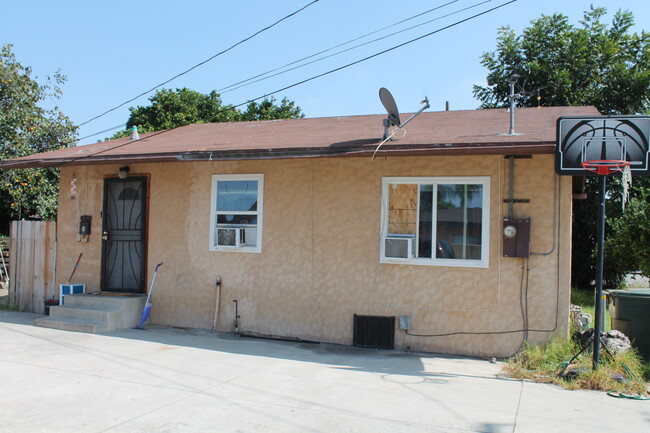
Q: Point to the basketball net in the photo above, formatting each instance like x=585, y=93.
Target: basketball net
x=626, y=180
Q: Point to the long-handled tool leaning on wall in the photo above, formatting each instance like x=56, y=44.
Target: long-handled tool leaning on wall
x=147, y=306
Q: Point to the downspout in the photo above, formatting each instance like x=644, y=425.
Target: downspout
x=56, y=250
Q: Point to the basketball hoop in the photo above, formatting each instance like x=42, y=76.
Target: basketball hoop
x=603, y=145
x=606, y=167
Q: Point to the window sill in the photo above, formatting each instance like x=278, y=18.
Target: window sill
x=235, y=249
x=450, y=263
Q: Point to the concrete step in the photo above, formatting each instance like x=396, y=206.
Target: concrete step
x=95, y=313
x=72, y=324
x=100, y=300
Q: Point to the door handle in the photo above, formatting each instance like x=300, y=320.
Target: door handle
x=105, y=237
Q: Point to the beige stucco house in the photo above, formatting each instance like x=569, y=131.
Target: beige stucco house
x=313, y=238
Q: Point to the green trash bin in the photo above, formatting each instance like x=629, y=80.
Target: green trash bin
x=630, y=312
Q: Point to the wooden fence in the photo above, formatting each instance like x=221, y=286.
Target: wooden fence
x=32, y=262
x=4, y=262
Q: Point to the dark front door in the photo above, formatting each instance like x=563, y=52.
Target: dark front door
x=124, y=235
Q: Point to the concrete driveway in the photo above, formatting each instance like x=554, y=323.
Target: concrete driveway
x=170, y=380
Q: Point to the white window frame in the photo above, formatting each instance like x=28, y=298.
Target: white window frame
x=216, y=178
x=433, y=261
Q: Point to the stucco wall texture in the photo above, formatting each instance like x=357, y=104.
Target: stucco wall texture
x=319, y=263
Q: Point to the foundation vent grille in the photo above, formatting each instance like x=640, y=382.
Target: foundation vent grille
x=376, y=332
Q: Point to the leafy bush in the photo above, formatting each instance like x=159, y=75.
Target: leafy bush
x=627, y=245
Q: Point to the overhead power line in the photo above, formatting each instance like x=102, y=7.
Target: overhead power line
x=249, y=81
x=357, y=46
x=331, y=71
x=199, y=64
x=122, y=125
x=230, y=87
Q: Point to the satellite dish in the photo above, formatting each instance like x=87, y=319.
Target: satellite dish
x=390, y=106
x=393, y=115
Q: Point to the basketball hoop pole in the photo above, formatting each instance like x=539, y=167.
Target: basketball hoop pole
x=603, y=168
x=600, y=260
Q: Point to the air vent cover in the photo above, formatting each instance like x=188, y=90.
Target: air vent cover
x=376, y=332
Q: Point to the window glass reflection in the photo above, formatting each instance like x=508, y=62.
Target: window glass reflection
x=237, y=195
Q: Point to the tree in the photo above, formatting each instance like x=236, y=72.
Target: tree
x=567, y=65
x=627, y=245
x=588, y=64
x=180, y=107
x=26, y=128
x=267, y=110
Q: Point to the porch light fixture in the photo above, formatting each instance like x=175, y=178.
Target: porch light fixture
x=123, y=172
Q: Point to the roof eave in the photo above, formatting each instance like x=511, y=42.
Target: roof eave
x=518, y=148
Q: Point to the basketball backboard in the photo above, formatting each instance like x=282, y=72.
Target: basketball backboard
x=581, y=139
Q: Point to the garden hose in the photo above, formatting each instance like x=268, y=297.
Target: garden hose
x=629, y=396
x=565, y=365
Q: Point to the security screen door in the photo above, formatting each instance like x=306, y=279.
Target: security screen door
x=124, y=235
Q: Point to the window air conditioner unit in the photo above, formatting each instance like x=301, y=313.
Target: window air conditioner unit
x=399, y=246
x=249, y=236
x=230, y=236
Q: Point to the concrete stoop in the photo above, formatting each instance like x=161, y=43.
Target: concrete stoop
x=94, y=313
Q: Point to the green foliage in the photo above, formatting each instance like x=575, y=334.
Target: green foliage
x=585, y=229
x=26, y=128
x=589, y=64
x=174, y=108
x=541, y=362
x=627, y=246
x=171, y=109
x=267, y=110
x=626, y=233
x=582, y=298
x=9, y=307
x=544, y=363
x=586, y=300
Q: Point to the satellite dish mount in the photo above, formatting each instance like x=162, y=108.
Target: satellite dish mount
x=393, y=118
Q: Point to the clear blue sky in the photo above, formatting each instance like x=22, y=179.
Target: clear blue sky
x=113, y=50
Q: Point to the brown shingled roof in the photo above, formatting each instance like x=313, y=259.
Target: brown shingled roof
x=446, y=132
